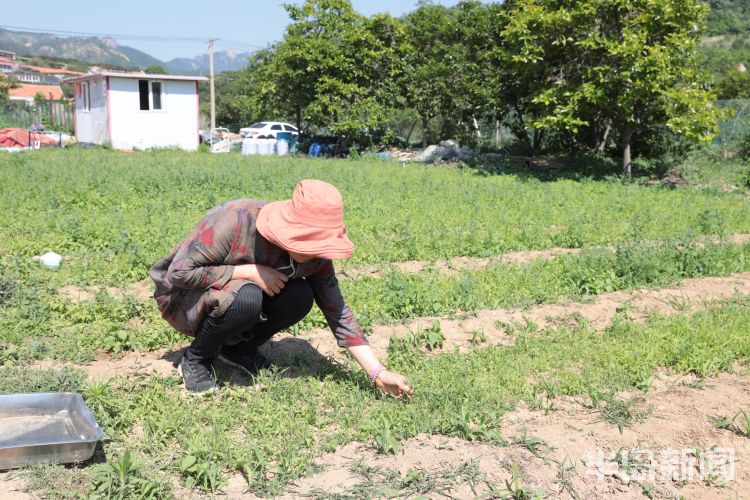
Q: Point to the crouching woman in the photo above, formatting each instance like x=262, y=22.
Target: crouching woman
x=251, y=269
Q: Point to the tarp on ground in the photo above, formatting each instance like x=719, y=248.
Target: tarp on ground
x=18, y=137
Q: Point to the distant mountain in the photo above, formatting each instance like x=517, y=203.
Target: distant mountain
x=225, y=60
x=107, y=51
x=92, y=50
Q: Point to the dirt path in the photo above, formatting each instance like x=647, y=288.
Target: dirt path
x=143, y=290
x=458, y=264
x=495, y=325
x=12, y=488
x=573, y=434
x=678, y=419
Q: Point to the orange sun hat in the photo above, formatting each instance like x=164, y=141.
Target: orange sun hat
x=311, y=223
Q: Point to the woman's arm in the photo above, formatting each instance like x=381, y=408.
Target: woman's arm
x=267, y=278
x=387, y=381
x=349, y=333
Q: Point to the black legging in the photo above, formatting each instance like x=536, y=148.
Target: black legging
x=243, y=318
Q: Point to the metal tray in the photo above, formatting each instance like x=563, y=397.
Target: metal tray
x=45, y=427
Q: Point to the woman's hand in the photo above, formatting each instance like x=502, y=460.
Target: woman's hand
x=268, y=279
x=394, y=384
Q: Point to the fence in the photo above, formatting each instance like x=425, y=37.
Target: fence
x=736, y=127
x=54, y=115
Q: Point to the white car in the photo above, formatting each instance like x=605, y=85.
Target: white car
x=267, y=129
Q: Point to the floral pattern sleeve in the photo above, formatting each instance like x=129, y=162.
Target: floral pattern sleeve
x=340, y=318
x=198, y=262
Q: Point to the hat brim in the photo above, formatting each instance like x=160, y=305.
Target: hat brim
x=274, y=225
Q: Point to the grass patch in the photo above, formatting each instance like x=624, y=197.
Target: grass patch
x=456, y=394
x=114, y=214
x=36, y=323
x=16, y=379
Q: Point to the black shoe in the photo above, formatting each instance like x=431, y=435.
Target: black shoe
x=197, y=374
x=250, y=361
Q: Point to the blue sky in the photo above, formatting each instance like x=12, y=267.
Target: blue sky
x=242, y=25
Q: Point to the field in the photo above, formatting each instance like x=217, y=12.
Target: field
x=542, y=320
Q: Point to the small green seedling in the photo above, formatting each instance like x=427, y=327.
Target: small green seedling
x=478, y=337
x=517, y=491
x=721, y=422
x=744, y=429
x=385, y=441
x=123, y=479
x=433, y=336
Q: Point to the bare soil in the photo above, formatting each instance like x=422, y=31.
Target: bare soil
x=677, y=409
x=12, y=487
x=573, y=434
x=498, y=326
x=457, y=264
x=142, y=290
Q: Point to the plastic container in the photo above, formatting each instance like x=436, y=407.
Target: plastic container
x=250, y=147
x=46, y=428
x=266, y=146
x=51, y=260
x=282, y=148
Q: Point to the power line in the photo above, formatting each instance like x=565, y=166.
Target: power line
x=241, y=44
x=179, y=39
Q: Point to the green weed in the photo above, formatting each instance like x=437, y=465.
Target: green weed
x=532, y=443
x=744, y=427
x=515, y=490
x=477, y=337
x=739, y=424
x=385, y=441
x=123, y=479
x=22, y=379
x=621, y=412
x=200, y=464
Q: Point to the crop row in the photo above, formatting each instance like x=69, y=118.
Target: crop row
x=272, y=432
x=36, y=322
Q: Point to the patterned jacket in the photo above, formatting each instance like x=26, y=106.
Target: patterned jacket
x=194, y=280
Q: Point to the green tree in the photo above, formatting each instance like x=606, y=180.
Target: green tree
x=156, y=69
x=734, y=85
x=6, y=84
x=429, y=63
x=334, y=67
x=39, y=98
x=625, y=64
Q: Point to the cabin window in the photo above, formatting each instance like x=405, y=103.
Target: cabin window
x=156, y=94
x=149, y=94
x=143, y=93
x=86, y=96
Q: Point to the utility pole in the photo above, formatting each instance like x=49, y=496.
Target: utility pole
x=211, y=82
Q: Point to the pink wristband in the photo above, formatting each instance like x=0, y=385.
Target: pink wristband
x=376, y=372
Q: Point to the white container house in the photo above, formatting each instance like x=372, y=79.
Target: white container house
x=137, y=110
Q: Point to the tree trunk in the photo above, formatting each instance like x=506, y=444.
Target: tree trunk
x=299, y=119
x=603, y=141
x=425, y=124
x=536, y=140
x=408, y=136
x=497, y=134
x=476, y=128
x=627, y=135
